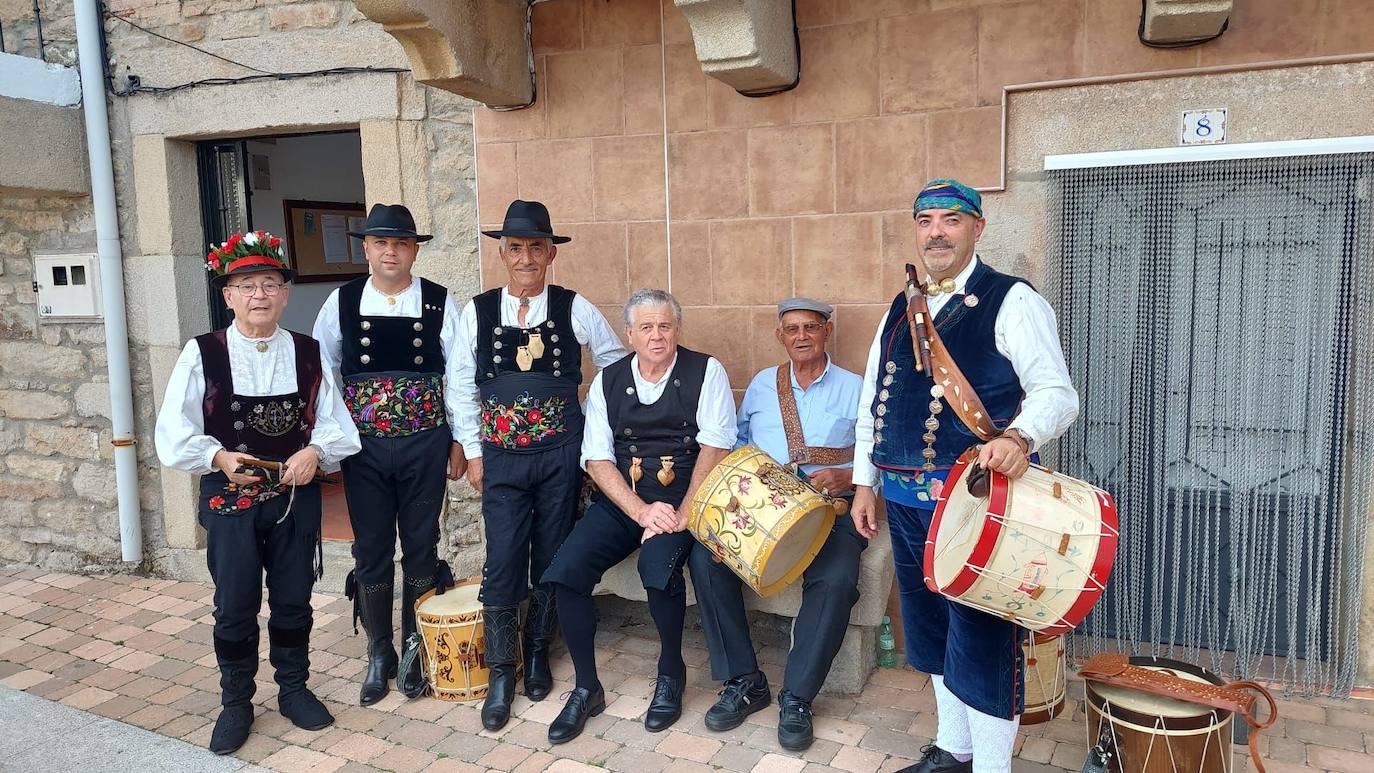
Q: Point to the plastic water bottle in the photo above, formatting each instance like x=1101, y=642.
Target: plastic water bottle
x=887, y=645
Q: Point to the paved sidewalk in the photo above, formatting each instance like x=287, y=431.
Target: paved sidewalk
x=46, y=737
x=138, y=650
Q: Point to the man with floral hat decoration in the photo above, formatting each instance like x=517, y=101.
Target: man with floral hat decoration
x=250, y=410
x=520, y=364
x=1001, y=335
x=390, y=336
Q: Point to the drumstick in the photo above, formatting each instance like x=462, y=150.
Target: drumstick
x=277, y=467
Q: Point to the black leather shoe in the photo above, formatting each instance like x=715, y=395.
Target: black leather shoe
x=541, y=620
x=582, y=705
x=501, y=628
x=304, y=710
x=741, y=697
x=231, y=728
x=666, y=707
x=937, y=760
x=794, y=722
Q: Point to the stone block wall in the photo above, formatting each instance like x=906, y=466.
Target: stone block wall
x=57, y=491
x=21, y=29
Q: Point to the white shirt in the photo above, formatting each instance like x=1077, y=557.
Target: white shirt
x=715, y=410
x=589, y=326
x=180, y=433
x=409, y=304
x=1027, y=334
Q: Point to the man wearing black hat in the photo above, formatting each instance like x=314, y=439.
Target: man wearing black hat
x=390, y=335
x=251, y=394
x=802, y=411
x=519, y=358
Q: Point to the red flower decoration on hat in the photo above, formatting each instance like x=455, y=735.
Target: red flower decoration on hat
x=255, y=248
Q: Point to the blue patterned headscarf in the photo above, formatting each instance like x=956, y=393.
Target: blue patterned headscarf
x=948, y=194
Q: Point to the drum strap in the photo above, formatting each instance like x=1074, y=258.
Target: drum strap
x=1116, y=669
x=958, y=390
x=798, y=452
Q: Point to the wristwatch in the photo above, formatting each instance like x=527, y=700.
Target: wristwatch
x=1017, y=433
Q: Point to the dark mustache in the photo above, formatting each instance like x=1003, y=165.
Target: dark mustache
x=938, y=243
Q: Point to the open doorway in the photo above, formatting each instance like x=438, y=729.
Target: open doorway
x=316, y=181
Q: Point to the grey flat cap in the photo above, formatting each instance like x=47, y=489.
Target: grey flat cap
x=805, y=304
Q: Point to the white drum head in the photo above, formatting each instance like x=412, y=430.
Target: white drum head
x=453, y=601
x=960, y=527
x=794, y=545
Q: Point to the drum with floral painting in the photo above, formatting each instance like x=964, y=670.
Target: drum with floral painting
x=761, y=520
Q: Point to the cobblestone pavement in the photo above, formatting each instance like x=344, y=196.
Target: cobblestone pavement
x=138, y=650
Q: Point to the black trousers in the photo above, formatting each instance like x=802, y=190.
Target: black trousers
x=241, y=547
x=529, y=501
x=397, y=485
x=605, y=537
x=829, y=592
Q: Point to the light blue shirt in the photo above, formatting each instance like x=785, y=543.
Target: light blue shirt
x=828, y=410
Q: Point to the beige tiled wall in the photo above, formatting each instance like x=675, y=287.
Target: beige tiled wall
x=666, y=177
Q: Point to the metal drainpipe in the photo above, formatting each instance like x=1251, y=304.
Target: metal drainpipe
x=111, y=276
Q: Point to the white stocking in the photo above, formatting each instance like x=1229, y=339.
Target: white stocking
x=952, y=721
x=993, y=738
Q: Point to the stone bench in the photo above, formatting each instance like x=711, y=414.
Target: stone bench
x=857, y=656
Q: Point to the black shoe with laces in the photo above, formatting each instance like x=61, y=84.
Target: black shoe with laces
x=582, y=705
x=741, y=697
x=937, y=760
x=794, y=722
x=666, y=706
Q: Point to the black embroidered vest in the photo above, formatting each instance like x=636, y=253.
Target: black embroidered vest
x=665, y=430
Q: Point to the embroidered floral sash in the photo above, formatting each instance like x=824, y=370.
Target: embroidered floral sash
x=395, y=406
x=525, y=422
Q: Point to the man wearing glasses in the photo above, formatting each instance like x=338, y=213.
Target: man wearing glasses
x=802, y=413
x=390, y=335
x=238, y=398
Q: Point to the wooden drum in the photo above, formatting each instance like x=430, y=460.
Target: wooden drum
x=453, y=658
x=1153, y=734
x=762, y=521
x=1046, y=680
x=1036, y=550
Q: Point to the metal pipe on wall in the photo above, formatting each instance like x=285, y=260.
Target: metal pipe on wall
x=89, y=52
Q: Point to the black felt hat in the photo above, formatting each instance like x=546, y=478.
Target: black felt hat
x=392, y=220
x=530, y=220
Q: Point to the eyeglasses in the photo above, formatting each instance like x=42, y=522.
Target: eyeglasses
x=810, y=328
x=248, y=289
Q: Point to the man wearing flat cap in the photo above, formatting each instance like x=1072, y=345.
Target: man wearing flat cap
x=519, y=366
x=390, y=336
x=250, y=395
x=803, y=413
x=1004, y=356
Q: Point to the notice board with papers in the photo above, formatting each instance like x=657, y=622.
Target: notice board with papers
x=318, y=246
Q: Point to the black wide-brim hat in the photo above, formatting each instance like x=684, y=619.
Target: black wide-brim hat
x=391, y=220
x=252, y=264
x=528, y=220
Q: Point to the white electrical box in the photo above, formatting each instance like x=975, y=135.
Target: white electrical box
x=68, y=286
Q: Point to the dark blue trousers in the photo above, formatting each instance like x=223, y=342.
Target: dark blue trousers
x=978, y=654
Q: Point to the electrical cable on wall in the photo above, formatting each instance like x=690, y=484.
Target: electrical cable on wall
x=136, y=85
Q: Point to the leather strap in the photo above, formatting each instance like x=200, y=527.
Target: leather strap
x=798, y=452
x=1116, y=669
x=933, y=358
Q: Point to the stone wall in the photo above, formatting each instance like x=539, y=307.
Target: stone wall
x=56, y=468
x=21, y=29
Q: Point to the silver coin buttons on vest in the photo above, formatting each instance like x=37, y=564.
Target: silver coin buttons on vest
x=367, y=325
x=365, y=359
x=419, y=360
x=366, y=341
x=496, y=359
x=417, y=343
x=419, y=327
